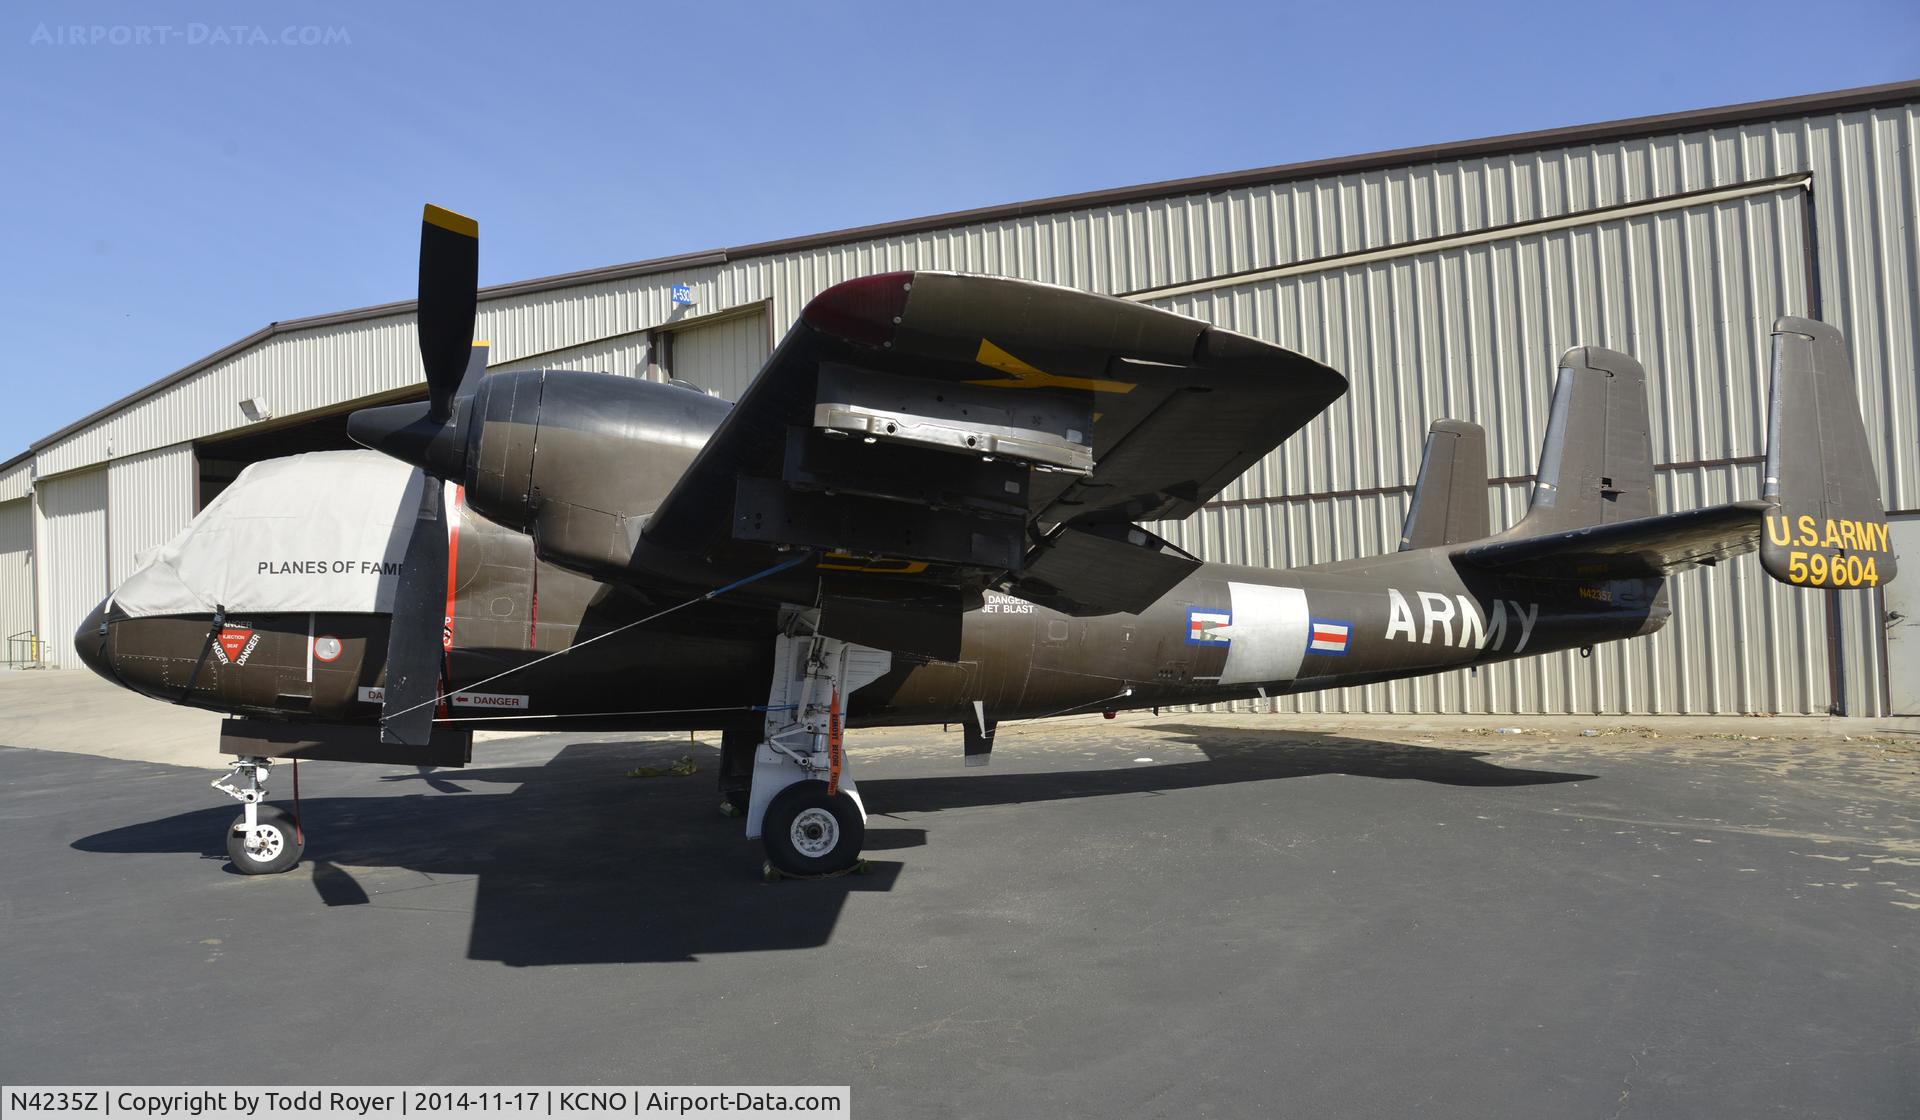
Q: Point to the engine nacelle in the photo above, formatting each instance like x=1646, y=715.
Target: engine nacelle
x=576, y=460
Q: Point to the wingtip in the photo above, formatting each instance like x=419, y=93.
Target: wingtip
x=866, y=310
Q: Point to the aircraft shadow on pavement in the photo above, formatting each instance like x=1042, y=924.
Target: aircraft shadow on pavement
x=578, y=864
x=1234, y=755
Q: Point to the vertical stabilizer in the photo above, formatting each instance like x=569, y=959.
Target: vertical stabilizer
x=1820, y=522
x=1449, y=503
x=1828, y=527
x=1596, y=466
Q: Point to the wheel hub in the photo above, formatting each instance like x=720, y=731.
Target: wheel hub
x=814, y=833
x=264, y=844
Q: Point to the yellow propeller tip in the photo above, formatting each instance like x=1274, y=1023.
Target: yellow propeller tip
x=448, y=220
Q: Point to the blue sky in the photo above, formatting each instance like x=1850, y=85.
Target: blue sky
x=168, y=198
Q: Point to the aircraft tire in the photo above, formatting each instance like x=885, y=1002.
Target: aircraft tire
x=279, y=852
x=809, y=833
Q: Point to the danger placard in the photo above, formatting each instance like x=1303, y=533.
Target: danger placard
x=488, y=700
x=235, y=644
x=460, y=699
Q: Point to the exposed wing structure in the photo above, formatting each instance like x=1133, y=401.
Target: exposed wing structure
x=941, y=431
x=1644, y=546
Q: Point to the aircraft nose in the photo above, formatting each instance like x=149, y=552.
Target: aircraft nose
x=90, y=643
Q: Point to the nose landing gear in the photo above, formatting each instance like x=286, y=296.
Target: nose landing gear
x=268, y=846
x=263, y=840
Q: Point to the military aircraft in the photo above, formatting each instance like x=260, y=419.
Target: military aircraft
x=925, y=509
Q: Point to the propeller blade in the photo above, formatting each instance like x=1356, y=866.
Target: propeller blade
x=449, y=275
x=422, y=435
x=476, y=369
x=415, y=636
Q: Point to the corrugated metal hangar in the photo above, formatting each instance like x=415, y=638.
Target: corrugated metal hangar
x=1443, y=281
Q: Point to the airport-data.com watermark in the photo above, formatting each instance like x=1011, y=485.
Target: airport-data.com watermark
x=212, y=35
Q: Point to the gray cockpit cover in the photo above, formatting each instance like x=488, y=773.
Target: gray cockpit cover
x=323, y=532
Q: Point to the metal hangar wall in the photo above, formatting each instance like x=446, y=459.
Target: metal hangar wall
x=1445, y=281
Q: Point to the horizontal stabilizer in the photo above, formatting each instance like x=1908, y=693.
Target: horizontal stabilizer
x=1644, y=546
x=1830, y=529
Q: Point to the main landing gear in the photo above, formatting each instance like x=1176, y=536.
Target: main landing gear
x=263, y=840
x=803, y=804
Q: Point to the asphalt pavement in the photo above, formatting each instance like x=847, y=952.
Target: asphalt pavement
x=1181, y=916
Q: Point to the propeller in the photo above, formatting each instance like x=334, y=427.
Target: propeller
x=430, y=436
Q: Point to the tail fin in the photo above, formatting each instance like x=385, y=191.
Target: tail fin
x=1596, y=466
x=1450, y=498
x=1828, y=527
x=1823, y=521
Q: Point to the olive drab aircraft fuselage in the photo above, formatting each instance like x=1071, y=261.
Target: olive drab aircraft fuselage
x=1226, y=632
x=927, y=508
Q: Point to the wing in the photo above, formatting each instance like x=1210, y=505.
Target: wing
x=1644, y=546
x=939, y=431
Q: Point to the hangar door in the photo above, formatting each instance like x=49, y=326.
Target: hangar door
x=16, y=573
x=721, y=356
x=1903, y=619
x=149, y=499
x=1471, y=327
x=75, y=508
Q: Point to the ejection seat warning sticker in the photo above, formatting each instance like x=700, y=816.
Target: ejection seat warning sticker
x=234, y=645
x=310, y=1102
x=460, y=699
